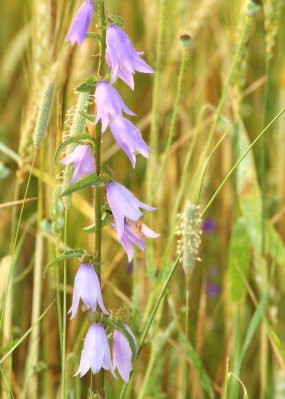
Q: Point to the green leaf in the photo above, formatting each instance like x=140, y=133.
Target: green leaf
x=89, y=117
x=239, y=260
x=73, y=139
x=95, y=36
x=117, y=20
x=196, y=363
x=89, y=181
x=117, y=326
x=87, y=86
x=69, y=254
x=107, y=218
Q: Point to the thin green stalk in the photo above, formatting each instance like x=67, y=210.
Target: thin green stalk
x=196, y=196
x=153, y=314
x=98, y=190
x=185, y=366
x=64, y=309
x=15, y=243
x=33, y=350
x=240, y=159
x=177, y=100
x=154, y=127
x=263, y=333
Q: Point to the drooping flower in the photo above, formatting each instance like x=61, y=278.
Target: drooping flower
x=123, y=204
x=87, y=287
x=135, y=233
x=129, y=139
x=96, y=352
x=122, y=353
x=81, y=22
x=83, y=161
x=109, y=104
x=122, y=58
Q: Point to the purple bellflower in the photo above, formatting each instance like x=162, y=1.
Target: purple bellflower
x=135, y=233
x=83, y=161
x=122, y=353
x=87, y=287
x=96, y=352
x=123, y=204
x=81, y=22
x=129, y=139
x=122, y=58
x=109, y=104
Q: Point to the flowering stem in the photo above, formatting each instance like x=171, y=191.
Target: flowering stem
x=98, y=190
x=185, y=368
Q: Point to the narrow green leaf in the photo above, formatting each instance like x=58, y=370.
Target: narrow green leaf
x=238, y=260
x=90, y=118
x=69, y=254
x=95, y=36
x=196, y=363
x=87, y=86
x=73, y=139
x=107, y=218
x=89, y=181
x=118, y=326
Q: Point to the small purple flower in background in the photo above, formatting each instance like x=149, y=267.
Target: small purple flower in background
x=208, y=225
x=213, y=289
x=135, y=233
x=109, y=104
x=87, y=287
x=122, y=58
x=123, y=204
x=81, y=22
x=83, y=161
x=96, y=352
x=122, y=353
x=129, y=139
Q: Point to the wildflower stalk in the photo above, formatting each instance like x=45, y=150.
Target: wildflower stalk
x=185, y=368
x=98, y=190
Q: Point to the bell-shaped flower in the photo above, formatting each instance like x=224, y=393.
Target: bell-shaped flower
x=122, y=353
x=122, y=58
x=83, y=161
x=109, y=104
x=129, y=139
x=135, y=233
x=96, y=352
x=87, y=287
x=81, y=22
x=123, y=204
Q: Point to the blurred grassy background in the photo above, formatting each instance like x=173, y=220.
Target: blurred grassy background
x=236, y=307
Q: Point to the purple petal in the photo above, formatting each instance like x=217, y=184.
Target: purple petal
x=122, y=353
x=122, y=58
x=81, y=22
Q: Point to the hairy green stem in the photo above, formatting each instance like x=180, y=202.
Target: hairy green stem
x=98, y=190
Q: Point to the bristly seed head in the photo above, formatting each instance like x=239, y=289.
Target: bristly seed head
x=190, y=232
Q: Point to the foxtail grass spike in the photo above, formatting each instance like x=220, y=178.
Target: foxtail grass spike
x=190, y=233
x=43, y=114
